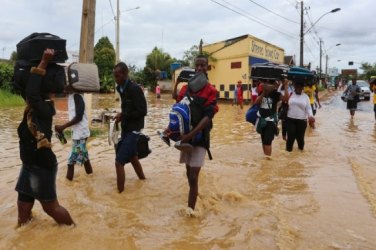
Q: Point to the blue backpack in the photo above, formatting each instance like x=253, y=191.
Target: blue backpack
x=180, y=122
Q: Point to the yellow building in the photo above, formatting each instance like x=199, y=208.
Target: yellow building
x=231, y=61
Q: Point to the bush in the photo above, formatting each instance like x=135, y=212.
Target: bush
x=6, y=75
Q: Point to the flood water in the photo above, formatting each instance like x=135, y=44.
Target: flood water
x=322, y=198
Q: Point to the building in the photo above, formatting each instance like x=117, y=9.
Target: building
x=231, y=61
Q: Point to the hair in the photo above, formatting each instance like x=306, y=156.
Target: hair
x=201, y=56
x=122, y=66
x=302, y=84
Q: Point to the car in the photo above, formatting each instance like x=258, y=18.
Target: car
x=365, y=93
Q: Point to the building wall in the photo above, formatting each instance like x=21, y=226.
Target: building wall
x=233, y=63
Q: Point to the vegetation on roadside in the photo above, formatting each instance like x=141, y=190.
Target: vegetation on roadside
x=8, y=99
x=94, y=132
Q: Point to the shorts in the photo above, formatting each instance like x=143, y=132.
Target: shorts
x=194, y=158
x=127, y=147
x=37, y=182
x=79, y=154
x=267, y=134
x=352, y=104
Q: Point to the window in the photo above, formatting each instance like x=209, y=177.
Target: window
x=236, y=65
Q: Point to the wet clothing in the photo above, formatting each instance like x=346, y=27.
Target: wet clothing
x=37, y=182
x=266, y=125
x=295, y=131
x=37, y=177
x=133, y=107
x=79, y=154
x=127, y=147
x=296, y=122
x=195, y=158
x=35, y=130
x=76, y=108
x=352, y=92
x=133, y=112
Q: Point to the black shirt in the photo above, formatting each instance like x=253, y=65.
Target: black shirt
x=268, y=106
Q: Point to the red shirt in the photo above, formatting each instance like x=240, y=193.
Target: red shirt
x=208, y=93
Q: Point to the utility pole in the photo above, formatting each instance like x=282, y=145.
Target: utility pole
x=326, y=64
x=117, y=32
x=301, y=33
x=320, y=58
x=87, y=32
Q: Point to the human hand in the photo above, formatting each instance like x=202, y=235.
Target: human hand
x=48, y=54
x=186, y=138
x=59, y=128
x=311, y=121
x=117, y=118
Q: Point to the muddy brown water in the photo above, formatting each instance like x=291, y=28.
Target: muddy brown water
x=322, y=198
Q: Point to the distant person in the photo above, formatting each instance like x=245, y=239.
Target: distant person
x=80, y=133
x=235, y=101
x=373, y=89
x=158, y=91
x=240, y=94
x=132, y=118
x=298, y=113
x=267, y=123
x=352, y=92
x=254, y=90
x=282, y=111
x=312, y=92
x=37, y=179
x=194, y=160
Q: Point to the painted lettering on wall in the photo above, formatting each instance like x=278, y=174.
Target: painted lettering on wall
x=265, y=51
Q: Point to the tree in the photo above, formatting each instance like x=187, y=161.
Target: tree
x=13, y=57
x=190, y=55
x=104, y=58
x=369, y=70
x=158, y=61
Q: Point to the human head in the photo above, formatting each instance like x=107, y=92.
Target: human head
x=298, y=87
x=201, y=64
x=239, y=83
x=120, y=73
x=353, y=80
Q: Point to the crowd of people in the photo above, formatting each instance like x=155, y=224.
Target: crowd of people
x=294, y=103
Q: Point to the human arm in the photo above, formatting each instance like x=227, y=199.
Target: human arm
x=33, y=93
x=286, y=95
x=308, y=109
x=80, y=109
x=174, y=91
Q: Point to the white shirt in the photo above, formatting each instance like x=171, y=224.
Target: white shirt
x=299, y=107
x=80, y=130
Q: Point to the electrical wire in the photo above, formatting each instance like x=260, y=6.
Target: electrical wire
x=274, y=12
x=112, y=9
x=254, y=19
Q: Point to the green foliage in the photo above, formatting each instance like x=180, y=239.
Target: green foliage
x=369, y=70
x=8, y=99
x=158, y=61
x=190, y=55
x=13, y=56
x=104, y=58
x=94, y=132
x=6, y=74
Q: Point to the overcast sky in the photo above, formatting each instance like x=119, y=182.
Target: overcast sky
x=176, y=25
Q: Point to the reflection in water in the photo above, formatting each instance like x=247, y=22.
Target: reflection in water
x=322, y=198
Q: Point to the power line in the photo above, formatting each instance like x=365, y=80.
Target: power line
x=274, y=12
x=112, y=9
x=253, y=19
